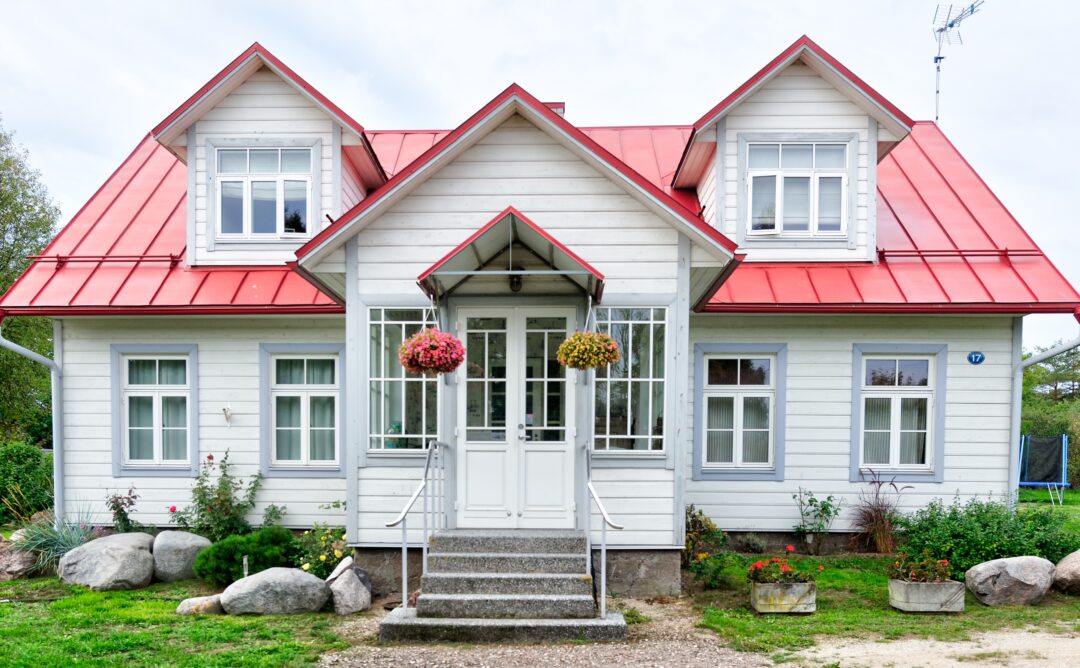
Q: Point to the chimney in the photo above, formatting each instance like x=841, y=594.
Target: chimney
x=558, y=107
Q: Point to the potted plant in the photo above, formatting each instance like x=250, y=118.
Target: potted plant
x=924, y=585
x=588, y=350
x=431, y=352
x=777, y=586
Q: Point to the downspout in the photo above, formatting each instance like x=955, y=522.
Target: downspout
x=1018, y=391
x=55, y=366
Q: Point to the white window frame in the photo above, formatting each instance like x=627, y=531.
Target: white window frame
x=156, y=392
x=246, y=179
x=305, y=392
x=738, y=392
x=815, y=174
x=895, y=394
x=378, y=375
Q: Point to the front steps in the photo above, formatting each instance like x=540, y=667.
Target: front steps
x=499, y=586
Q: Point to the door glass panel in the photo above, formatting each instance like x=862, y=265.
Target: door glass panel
x=485, y=389
x=545, y=385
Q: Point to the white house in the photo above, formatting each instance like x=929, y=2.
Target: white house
x=806, y=285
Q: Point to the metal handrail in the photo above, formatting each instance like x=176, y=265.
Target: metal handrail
x=603, y=511
x=435, y=508
x=420, y=488
x=608, y=522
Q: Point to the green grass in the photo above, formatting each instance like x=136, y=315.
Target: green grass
x=1071, y=503
x=853, y=602
x=54, y=624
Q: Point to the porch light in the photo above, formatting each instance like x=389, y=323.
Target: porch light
x=516, y=280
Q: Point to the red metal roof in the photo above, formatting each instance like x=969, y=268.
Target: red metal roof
x=945, y=244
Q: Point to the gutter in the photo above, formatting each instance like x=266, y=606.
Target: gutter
x=56, y=367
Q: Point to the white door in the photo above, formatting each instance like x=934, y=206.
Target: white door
x=515, y=419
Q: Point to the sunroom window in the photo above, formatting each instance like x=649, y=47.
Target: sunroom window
x=897, y=403
x=263, y=193
x=797, y=189
x=630, y=393
x=156, y=419
x=403, y=409
x=738, y=396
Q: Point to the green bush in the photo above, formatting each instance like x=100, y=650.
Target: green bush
x=219, y=508
x=223, y=562
x=321, y=549
x=980, y=530
x=26, y=484
x=709, y=570
x=702, y=536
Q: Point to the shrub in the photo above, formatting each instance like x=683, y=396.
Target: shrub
x=223, y=562
x=709, y=569
x=51, y=540
x=777, y=569
x=754, y=544
x=26, y=484
x=321, y=549
x=981, y=530
x=702, y=537
x=121, y=505
x=219, y=507
x=927, y=569
x=875, y=514
x=634, y=616
x=815, y=517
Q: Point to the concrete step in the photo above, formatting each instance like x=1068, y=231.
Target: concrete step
x=507, y=583
x=402, y=625
x=506, y=606
x=501, y=562
x=491, y=541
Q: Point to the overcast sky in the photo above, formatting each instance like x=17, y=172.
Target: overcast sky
x=82, y=82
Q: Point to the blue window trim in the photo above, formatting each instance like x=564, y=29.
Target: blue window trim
x=121, y=469
x=265, y=351
x=939, y=351
x=780, y=413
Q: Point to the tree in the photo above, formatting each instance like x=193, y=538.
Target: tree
x=1051, y=402
x=27, y=222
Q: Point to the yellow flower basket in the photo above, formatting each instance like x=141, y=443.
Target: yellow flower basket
x=588, y=350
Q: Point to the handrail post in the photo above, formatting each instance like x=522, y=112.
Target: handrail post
x=404, y=564
x=424, y=535
x=603, y=571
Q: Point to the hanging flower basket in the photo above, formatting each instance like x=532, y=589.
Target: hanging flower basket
x=588, y=350
x=431, y=352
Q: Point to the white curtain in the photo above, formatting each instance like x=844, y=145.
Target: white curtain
x=140, y=428
x=323, y=426
x=287, y=428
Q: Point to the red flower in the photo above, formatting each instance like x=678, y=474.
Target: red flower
x=784, y=568
x=944, y=562
x=790, y=548
x=821, y=568
x=209, y=458
x=775, y=559
x=172, y=509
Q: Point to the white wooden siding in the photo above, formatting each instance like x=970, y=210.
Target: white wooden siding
x=228, y=376
x=818, y=444
x=352, y=188
x=707, y=194
x=519, y=165
x=640, y=499
x=264, y=107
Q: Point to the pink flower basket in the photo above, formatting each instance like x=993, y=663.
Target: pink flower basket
x=431, y=352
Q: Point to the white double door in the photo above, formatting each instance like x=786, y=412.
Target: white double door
x=515, y=458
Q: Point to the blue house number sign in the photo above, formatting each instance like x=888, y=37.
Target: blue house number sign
x=975, y=357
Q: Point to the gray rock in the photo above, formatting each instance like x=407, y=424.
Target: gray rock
x=1012, y=581
x=201, y=605
x=17, y=535
x=350, y=594
x=1067, y=574
x=343, y=565
x=347, y=564
x=174, y=555
x=276, y=591
x=120, y=561
x=14, y=563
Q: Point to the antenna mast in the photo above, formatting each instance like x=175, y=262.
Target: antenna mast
x=946, y=22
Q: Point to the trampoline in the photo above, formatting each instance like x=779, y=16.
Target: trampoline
x=1044, y=463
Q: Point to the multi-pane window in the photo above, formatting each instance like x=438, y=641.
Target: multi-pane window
x=738, y=398
x=263, y=192
x=403, y=408
x=156, y=418
x=796, y=188
x=304, y=395
x=897, y=400
x=630, y=393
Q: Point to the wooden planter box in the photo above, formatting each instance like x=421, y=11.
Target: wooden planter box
x=926, y=596
x=783, y=598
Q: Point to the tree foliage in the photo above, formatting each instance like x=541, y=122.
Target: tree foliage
x=27, y=223
x=1052, y=402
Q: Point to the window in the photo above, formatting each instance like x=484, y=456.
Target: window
x=304, y=414
x=630, y=394
x=738, y=396
x=403, y=409
x=263, y=192
x=797, y=189
x=897, y=405
x=155, y=414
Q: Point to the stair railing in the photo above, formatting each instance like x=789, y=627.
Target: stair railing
x=432, y=488
x=608, y=522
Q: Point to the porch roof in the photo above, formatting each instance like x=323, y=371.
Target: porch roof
x=508, y=229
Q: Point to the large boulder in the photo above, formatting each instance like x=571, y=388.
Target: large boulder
x=14, y=563
x=275, y=591
x=174, y=555
x=350, y=594
x=201, y=605
x=1067, y=574
x=1012, y=581
x=120, y=561
x=347, y=564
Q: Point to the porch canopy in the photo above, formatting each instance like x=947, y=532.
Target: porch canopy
x=515, y=248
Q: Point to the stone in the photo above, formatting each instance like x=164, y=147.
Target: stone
x=119, y=561
x=1067, y=574
x=349, y=594
x=174, y=555
x=201, y=605
x=1012, y=581
x=276, y=591
x=641, y=573
x=343, y=565
x=783, y=597
x=17, y=535
x=383, y=565
x=14, y=563
x=945, y=596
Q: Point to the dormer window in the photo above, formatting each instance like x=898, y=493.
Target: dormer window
x=263, y=193
x=797, y=189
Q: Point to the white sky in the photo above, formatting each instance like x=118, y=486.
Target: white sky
x=81, y=83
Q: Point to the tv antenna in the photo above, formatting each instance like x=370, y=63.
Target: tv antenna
x=946, y=25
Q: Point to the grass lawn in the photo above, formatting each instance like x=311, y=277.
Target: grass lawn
x=50, y=624
x=853, y=602
x=1071, y=506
